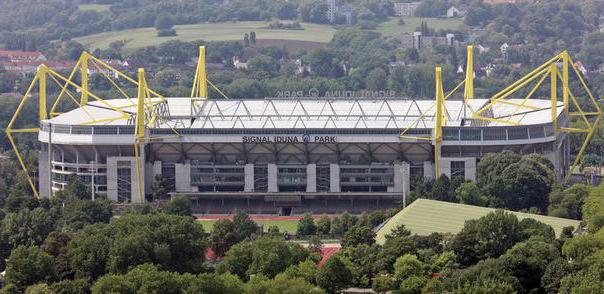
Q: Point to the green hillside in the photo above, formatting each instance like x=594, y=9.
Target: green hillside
x=423, y=217
x=137, y=38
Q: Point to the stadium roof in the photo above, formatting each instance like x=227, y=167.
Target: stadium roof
x=424, y=216
x=305, y=113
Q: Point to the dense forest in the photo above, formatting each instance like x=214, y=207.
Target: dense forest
x=70, y=244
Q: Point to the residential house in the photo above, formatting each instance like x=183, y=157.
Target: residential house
x=456, y=11
x=19, y=56
x=238, y=63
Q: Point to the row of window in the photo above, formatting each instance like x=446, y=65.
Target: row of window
x=449, y=133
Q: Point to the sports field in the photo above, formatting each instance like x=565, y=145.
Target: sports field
x=285, y=224
x=136, y=38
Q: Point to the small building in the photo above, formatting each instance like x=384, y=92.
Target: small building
x=456, y=11
x=238, y=63
x=337, y=10
x=493, y=2
x=18, y=56
x=405, y=9
x=418, y=41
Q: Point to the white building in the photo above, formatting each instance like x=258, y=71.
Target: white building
x=288, y=156
x=405, y=8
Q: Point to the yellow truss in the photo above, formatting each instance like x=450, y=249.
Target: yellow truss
x=146, y=113
x=199, y=91
x=590, y=119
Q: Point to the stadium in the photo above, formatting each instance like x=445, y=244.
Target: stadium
x=290, y=155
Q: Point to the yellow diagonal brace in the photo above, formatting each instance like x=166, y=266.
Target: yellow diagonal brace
x=583, y=147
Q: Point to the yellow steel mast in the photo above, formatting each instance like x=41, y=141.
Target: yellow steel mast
x=438, y=124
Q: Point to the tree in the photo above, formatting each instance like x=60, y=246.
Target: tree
x=384, y=283
x=568, y=203
x=223, y=236
x=306, y=270
x=358, y=235
x=335, y=275
x=179, y=205
x=28, y=266
x=246, y=40
x=28, y=227
x=75, y=189
x=554, y=272
x=253, y=38
x=267, y=256
x=175, y=243
x=528, y=260
x=377, y=80
x=244, y=226
x=264, y=64
x=282, y=284
x=516, y=182
x=487, y=237
x=164, y=22
x=38, y=289
x=89, y=251
x=593, y=209
x=78, y=213
x=306, y=225
x=79, y=286
x=323, y=225
x=488, y=276
x=215, y=283
x=162, y=186
x=408, y=266
x=441, y=190
x=56, y=246
x=112, y=284
x=322, y=63
x=469, y=193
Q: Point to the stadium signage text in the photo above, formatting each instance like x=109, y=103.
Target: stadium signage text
x=289, y=139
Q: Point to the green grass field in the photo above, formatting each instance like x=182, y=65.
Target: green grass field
x=137, y=38
x=289, y=226
x=392, y=28
x=94, y=7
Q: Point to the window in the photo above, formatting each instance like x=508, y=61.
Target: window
x=458, y=169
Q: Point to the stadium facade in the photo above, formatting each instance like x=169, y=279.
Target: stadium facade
x=275, y=155
x=295, y=154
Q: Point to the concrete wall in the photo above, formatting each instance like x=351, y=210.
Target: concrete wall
x=429, y=170
x=311, y=178
x=272, y=178
x=469, y=164
x=182, y=173
x=334, y=177
x=44, y=173
x=112, y=178
x=248, y=170
x=402, y=173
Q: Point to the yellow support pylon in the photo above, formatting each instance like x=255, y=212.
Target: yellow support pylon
x=438, y=124
x=139, y=132
x=554, y=96
x=84, y=75
x=469, y=85
x=200, y=82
